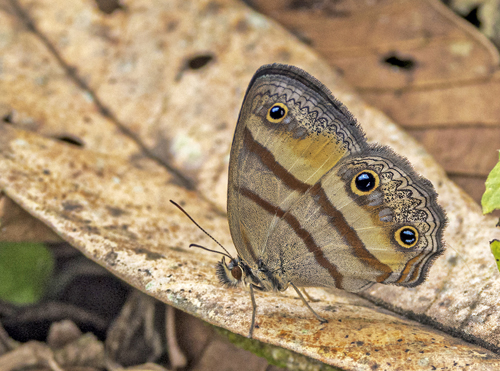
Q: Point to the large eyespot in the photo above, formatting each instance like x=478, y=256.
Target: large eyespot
x=406, y=236
x=277, y=113
x=365, y=182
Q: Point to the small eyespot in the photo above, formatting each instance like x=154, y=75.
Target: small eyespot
x=406, y=236
x=277, y=113
x=365, y=182
x=237, y=273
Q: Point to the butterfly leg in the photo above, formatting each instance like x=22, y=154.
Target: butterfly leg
x=321, y=319
x=254, y=310
x=312, y=300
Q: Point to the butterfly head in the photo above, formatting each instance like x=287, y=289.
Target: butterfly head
x=232, y=273
x=237, y=271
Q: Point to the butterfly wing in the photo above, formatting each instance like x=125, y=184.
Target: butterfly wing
x=370, y=219
x=274, y=162
x=300, y=205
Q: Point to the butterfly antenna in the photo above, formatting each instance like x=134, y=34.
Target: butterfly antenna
x=204, y=231
x=206, y=248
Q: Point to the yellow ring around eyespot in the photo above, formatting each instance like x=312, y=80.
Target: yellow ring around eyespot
x=277, y=121
x=397, y=236
x=355, y=190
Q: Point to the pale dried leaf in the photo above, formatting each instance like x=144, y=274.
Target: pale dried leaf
x=114, y=207
x=29, y=355
x=62, y=333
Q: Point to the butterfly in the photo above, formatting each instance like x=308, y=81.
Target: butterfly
x=312, y=204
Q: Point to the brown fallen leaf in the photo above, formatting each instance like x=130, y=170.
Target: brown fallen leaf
x=133, y=337
x=114, y=207
x=18, y=225
x=484, y=14
x=427, y=68
x=177, y=357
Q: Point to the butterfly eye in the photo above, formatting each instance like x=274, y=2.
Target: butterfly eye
x=229, y=274
x=277, y=113
x=237, y=273
x=365, y=182
x=406, y=236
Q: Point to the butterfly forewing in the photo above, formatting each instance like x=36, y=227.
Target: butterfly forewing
x=274, y=162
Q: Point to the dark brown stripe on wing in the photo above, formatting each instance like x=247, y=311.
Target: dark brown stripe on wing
x=419, y=267
x=407, y=269
x=268, y=159
x=303, y=234
x=416, y=274
x=336, y=218
x=350, y=236
x=420, y=271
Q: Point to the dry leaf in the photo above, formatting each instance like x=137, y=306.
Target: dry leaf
x=163, y=81
x=428, y=69
x=17, y=225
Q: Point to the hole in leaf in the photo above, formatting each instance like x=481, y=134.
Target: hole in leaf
x=71, y=140
x=108, y=6
x=396, y=61
x=473, y=18
x=8, y=118
x=199, y=61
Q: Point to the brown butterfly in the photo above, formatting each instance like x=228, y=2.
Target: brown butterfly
x=311, y=203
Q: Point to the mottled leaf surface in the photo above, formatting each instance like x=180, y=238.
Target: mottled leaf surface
x=108, y=116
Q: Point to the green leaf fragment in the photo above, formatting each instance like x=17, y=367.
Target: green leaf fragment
x=495, y=249
x=25, y=270
x=491, y=197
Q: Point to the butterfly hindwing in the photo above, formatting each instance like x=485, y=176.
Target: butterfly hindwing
x=386, y=232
